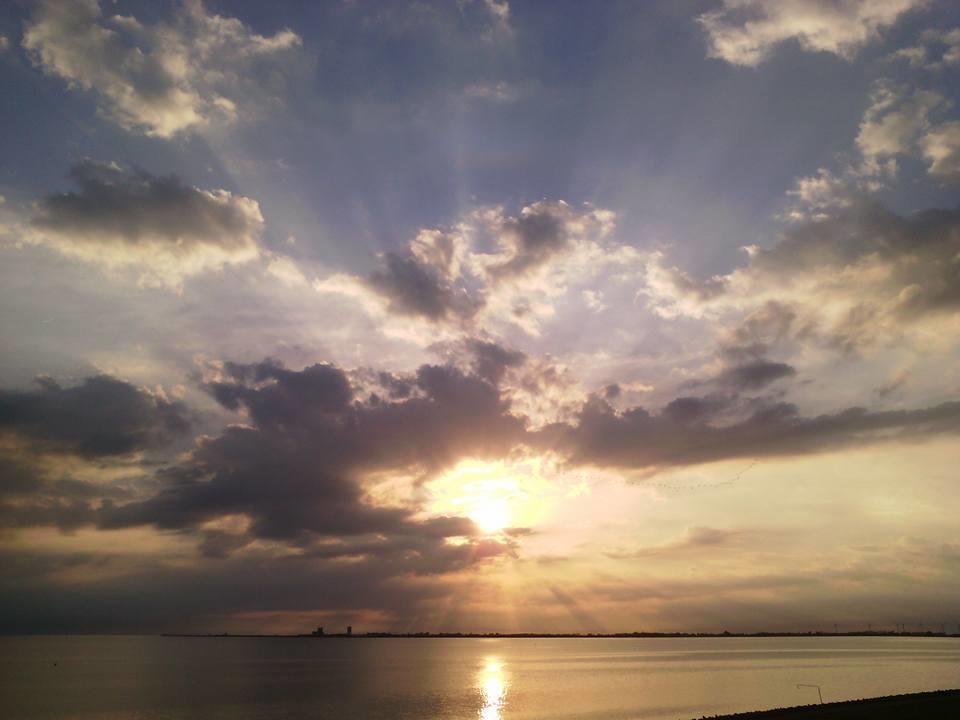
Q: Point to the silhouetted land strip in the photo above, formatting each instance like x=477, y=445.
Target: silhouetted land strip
x=926, y=706
x=426, y=635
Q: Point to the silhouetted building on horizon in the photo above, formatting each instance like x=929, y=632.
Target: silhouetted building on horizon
x=318, y=632
x=349, y=629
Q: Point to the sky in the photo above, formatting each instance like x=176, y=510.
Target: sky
x=479, y=315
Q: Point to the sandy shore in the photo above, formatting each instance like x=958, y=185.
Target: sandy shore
x=917, y=706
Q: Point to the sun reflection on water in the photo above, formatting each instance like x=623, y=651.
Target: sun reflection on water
x=492, y=686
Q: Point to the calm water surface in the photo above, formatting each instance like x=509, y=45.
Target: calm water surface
x=153, y=678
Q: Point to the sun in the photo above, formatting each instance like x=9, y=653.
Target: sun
x=494, y=496
x=489, y=501
x=492, y=515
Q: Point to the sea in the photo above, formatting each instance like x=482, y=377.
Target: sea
x=167, y=678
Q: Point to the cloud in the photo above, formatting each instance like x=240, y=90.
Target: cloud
x=860, y=276
x=745, y=32
x=817, y=195
x=289, y=495
x=756, y=375
x=895, y=383
x=295, y=483
x=297, y=468
x=165, y=78
x=32, y=494
x=500, y=11
x=903, y=265
x=286, y=271
x=695, y=538
x=112, y=591
x=65, y=515
x=412, y=287
x=895, y=120
x=941, y=147
x=102, y=422
x=901, y=120
x=672, y=291
x=757, y=333
x=896, y=123
x=694, y=430
x=491, y=361
x=492, y=92
x=490, y=266
x=938, y=51
x=158, y=226
x=100, y=417
x=423, y=281
x=529, y=240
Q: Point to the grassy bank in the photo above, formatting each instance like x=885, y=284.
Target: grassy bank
x=917, y=706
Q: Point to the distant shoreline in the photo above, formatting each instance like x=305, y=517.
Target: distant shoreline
x=936, y=704
x=585, y=636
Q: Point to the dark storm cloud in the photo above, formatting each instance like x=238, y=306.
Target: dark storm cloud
x=398, y=388
x=100, y=417
x=31, y=495
x=65, y=515
x=22, y=479
x=296, y=467
x=418, y=554
x=292, y=395
x=491, y=360
x=133, y=207
x=16, y=478
x=485, y=358
x=296, y=470
x=690, y=431
x=99, y=420
x=420, y=547
x=142, y=595
x=756, y=375
x=221, y=544
x=533, y=237
x=412, y=287
x=416, y=288
x=160, y=227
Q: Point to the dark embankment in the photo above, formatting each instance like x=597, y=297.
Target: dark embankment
x=918, y=706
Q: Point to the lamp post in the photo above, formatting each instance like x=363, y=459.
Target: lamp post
x=803, y=685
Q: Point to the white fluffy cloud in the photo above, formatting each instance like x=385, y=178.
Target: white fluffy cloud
x=744, y=32
x=164, y=78
x=860, y=277
x=941, y=147
x=495, y=268
x=158, y=227
x=815, y=196
x=898, y=122
x=895, y=120
x=938, y=50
